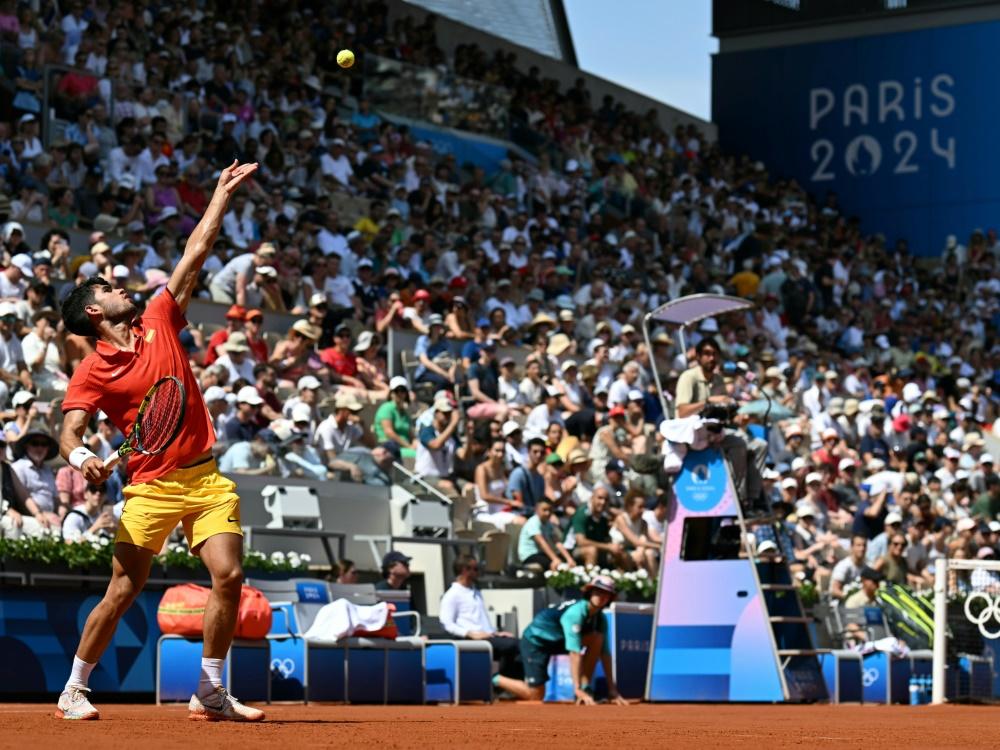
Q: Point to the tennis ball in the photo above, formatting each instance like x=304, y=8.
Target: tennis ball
x=345, y=58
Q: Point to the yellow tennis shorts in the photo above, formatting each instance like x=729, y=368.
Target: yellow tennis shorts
x=200, y=497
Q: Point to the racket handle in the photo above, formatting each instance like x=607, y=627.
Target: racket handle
x=111, y=461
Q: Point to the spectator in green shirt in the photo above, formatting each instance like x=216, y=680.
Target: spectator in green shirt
x=392, y=419
x=987, y=506
x=540, y=542
x=592, y=534
x=578, y=628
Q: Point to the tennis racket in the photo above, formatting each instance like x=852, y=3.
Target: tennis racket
x=160, y=417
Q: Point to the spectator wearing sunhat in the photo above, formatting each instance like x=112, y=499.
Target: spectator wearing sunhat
x=340, y=432
x=235, y=319
x=31, y=452
x=20, y=515
x=296, y=355
x=578, y=628
x=235, y=357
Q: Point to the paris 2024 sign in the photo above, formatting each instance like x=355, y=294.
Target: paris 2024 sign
x=903, y=127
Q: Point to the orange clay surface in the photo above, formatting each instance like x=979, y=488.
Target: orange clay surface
x=509, y=725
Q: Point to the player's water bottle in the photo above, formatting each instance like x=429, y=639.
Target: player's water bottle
x=914, y=691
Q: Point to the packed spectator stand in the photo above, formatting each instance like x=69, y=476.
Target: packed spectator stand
x=527, y=398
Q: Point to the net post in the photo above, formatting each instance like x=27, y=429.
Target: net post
x=940, y=629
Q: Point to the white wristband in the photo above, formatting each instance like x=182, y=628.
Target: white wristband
x=78, y=456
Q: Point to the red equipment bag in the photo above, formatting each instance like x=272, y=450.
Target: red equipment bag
x=182, y=609
x=182, y=612
x=253, y=621
x=389, y=630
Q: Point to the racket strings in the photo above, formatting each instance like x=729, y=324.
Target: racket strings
x=160, y=420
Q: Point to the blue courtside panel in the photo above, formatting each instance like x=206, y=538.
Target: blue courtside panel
x=691, y=687
x=693, y=661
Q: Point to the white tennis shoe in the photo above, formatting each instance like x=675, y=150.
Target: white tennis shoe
x=221, y=706
x=75, y=705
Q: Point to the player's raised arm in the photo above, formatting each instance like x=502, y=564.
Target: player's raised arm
x=185, y=276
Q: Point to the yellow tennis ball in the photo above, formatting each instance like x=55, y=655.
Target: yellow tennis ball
x=345, y=58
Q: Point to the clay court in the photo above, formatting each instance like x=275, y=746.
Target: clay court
x=670, y=726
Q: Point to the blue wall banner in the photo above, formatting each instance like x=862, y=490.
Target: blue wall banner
x=901, y=126
x=40, y=630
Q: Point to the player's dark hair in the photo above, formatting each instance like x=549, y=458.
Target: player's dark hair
x=74, y=307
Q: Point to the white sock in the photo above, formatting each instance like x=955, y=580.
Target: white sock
x=80, y=674
x=211, y=676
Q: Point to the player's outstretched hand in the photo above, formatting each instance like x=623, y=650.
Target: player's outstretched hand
x=618, y=700
x=94, y=472
x=583, y=698
x=234, y=175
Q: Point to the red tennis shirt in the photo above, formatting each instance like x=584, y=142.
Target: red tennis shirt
x=116, y=381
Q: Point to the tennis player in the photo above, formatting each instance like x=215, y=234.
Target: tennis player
x=181, y=484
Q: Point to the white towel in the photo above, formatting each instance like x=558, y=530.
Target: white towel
x=341, y=619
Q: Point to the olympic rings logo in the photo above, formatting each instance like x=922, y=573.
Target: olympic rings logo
x=869, y=677
x=285, y=667
x=991, y=611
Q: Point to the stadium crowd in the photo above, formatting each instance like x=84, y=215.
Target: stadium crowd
x=529, y=394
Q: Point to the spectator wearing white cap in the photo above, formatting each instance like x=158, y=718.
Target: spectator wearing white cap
x=25, y=416
x=15, y=277
x=242, y=426
x=307, y=389
x=948, y=471
x=229, y=285
x=264, y=291
x=218, y=409
x=814, y=548
x=516, y=450
x=12, y=368
x=546, y=413
x=985, y=469
x=879, y=544
x=435, y=461
x=845, y=487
